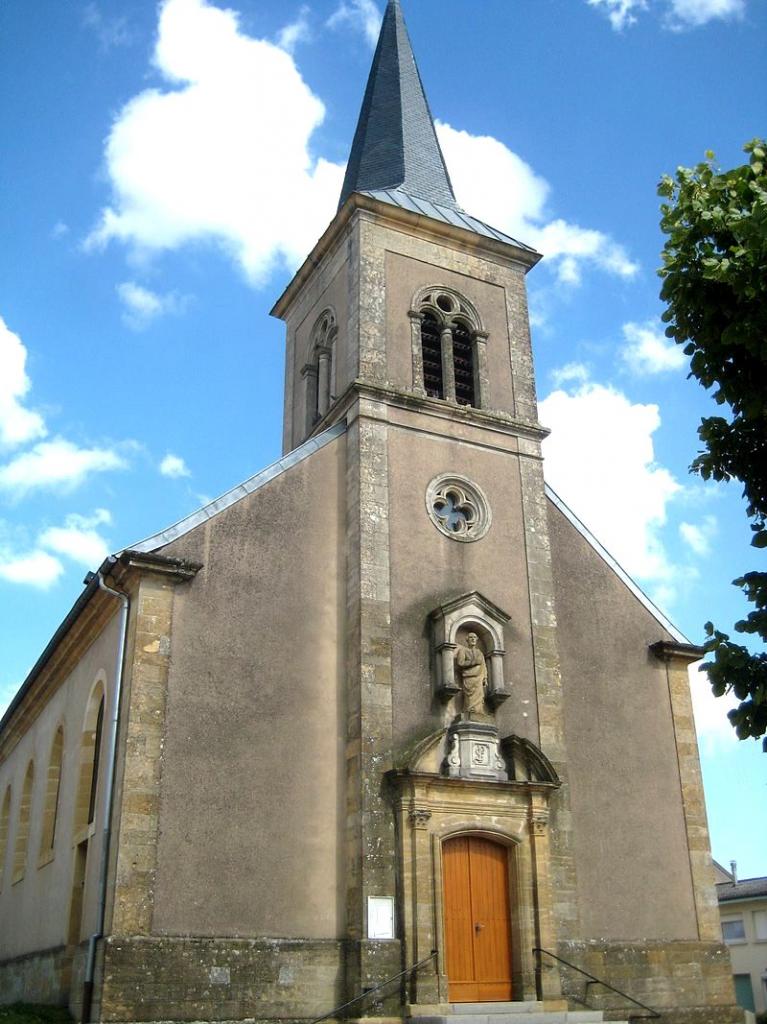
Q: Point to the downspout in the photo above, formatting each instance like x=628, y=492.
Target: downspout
x=90, y=963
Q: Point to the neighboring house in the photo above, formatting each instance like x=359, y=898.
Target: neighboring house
x=743, y=910
x=385, y=703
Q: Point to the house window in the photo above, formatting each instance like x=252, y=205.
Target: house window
x=760, y=925
x=733, y=930
x=449, y=348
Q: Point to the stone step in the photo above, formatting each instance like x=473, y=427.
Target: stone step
x=511, y=1013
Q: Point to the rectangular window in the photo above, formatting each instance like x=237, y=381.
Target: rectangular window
x=744, y=992
x=760, y=925
x=733, y=930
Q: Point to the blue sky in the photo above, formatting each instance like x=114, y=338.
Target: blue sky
x=172, y=163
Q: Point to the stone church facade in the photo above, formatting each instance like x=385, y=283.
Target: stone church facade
x=386, y=703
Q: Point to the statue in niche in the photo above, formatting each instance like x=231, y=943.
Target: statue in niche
x=470, y=660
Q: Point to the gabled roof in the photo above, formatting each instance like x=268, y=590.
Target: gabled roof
x=745, y=889
x=395, y=145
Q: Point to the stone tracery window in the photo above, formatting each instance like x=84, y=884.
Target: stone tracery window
x=448, y=342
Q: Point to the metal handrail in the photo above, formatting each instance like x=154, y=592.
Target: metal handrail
x=653, y=1014
x=377, y=988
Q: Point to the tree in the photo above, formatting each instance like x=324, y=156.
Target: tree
x=715, y=286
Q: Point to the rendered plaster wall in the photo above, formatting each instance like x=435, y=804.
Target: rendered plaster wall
x=34, y=911
x=632, y=857
x=251, y=779
x=428, y=568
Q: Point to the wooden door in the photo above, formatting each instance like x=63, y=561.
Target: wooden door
x=475, y=875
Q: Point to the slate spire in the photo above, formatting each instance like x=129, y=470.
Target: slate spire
x=395, y=145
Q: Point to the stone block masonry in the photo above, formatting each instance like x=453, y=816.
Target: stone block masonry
x=212, y=979
x=686, y=982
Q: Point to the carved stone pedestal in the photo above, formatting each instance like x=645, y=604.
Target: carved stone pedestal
x=473, y=752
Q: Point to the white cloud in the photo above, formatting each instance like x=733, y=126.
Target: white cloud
x=674, y=14
x=79, y=539
x=17, y=423
x=222, y=155
x=174, y=466
x=497, y=186
x=143, y=306
x=699, y=537
x=600, y=460
x=621, y=13
x=570, y=373
x=57, y=464
x=711, y=722
x=648, y=350
x=37, y=569
x=296, y=32
x=360, y=14
x=59, y=230
x=110, y=32
x=693, y=13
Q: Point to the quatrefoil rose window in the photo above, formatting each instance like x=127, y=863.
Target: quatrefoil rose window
x=458, y=508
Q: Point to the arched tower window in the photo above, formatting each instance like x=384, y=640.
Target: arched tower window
x=22, y=832
x=90, y=755
x=319, y=373
x=5, y=821
x=448, y=342
x=52, y=792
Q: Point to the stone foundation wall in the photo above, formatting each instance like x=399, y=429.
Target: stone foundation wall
x=184, y=979
x=42, y=977
x=687, y=982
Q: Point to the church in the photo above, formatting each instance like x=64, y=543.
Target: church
x=383, y=732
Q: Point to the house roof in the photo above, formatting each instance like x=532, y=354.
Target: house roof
x=395, y=145
x=744, y=889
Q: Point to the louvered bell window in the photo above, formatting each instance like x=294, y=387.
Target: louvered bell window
x=431, y=343
x=463, y=359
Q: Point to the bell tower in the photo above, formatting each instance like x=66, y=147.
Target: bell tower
x=408, y=324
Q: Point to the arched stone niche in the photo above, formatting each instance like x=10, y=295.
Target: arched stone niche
x=450, y=625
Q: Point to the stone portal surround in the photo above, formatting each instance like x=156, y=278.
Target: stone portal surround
x=432, y=808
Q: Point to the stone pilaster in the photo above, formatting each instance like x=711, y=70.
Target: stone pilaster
x=142, y=732
x=677, y=658
x=370, y=826
x=548, y=681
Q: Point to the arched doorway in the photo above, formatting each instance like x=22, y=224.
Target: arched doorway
x=477, y=918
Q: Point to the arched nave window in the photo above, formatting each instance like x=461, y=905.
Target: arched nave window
x=22, y=830
x=52, y=793
x=90, y=755
x=5, y=822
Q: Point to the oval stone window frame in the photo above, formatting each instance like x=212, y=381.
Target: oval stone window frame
x=465, y=495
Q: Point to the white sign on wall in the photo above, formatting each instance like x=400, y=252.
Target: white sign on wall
x=380, y=917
